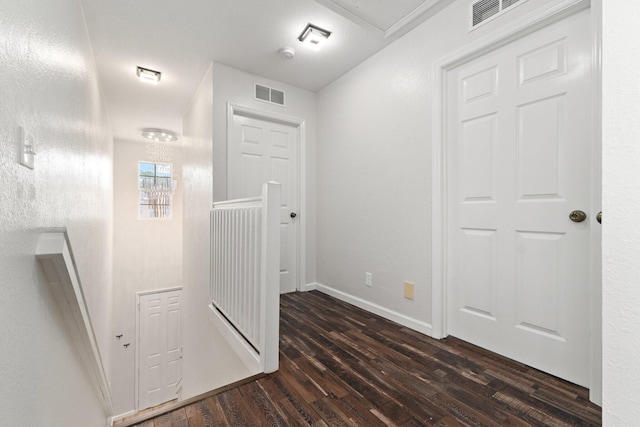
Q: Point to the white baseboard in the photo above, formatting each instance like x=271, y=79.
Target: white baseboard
x=248, y=355
x=311, y=286
x=121, y=416
x=409, y=322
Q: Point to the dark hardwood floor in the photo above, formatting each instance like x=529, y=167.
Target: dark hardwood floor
x=342, y=366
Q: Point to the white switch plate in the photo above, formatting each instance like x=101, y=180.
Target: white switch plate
x=368, y=279
x=27, y=149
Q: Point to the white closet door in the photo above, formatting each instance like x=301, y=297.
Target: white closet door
x=160, y=351
x=519, y=158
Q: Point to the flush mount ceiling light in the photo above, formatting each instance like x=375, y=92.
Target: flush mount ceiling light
x=148, y=76
x=159, y=135
x=314, y=37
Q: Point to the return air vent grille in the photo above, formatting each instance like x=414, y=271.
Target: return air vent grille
x=484, y=10
x=268, y=94
x=507, y=3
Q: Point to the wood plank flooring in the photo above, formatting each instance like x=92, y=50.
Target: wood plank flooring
x=342, y=366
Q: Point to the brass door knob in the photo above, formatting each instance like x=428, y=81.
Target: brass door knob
x=577, y=216
x=293, y=214
x=599, y=217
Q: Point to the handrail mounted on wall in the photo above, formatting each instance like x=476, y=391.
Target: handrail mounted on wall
x=57, y=261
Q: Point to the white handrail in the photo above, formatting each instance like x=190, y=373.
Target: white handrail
x=56, y=258
x=245, y=269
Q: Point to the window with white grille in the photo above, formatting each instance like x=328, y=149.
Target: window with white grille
x=156, y=190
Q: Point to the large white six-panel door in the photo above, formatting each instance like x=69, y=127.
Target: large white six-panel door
x=260, y=151
x=160, y=348
x=519, y=161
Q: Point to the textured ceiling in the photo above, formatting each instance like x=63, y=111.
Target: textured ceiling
x=181, y=39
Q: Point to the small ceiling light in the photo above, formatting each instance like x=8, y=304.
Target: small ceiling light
x=159, y=135
x=314, y=37
x=148, y=76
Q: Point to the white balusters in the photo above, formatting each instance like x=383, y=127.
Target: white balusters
x=245, y=264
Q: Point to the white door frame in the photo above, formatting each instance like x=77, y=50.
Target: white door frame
x=503, y=36
x=136, y=383
x=299, y=124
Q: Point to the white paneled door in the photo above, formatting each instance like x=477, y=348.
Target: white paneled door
x=160, y=348
x=260, y=151
x=519, y=162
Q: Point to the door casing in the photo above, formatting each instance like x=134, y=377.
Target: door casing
x=499, y=38
x=299, y=124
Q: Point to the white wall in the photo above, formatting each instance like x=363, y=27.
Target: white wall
x=374, y=166
x=621, y=210
x=49, y=86
x=209, y=362
x=147, y=256
x=234, y=86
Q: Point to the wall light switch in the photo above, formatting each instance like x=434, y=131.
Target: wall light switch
x=408, y=290
x=27, y=149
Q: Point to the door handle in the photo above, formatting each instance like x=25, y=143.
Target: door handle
x=293, y=214
x=577, y=216
x=599, y=217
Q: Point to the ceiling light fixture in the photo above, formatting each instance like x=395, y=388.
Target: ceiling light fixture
x=159, y=135
x=148, y=76
x=314, y=37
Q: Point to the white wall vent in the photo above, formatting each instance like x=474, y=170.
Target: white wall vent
x=268, y=94
x=485, y=10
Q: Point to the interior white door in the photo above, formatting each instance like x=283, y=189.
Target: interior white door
x=260, y=151
x=519, y=161
x=160, y=348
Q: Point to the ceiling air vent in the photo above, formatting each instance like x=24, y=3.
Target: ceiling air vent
x=268, y=94
x=484, y=10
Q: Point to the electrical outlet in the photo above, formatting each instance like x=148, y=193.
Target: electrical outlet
x=408, y=290
x=368, y=279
